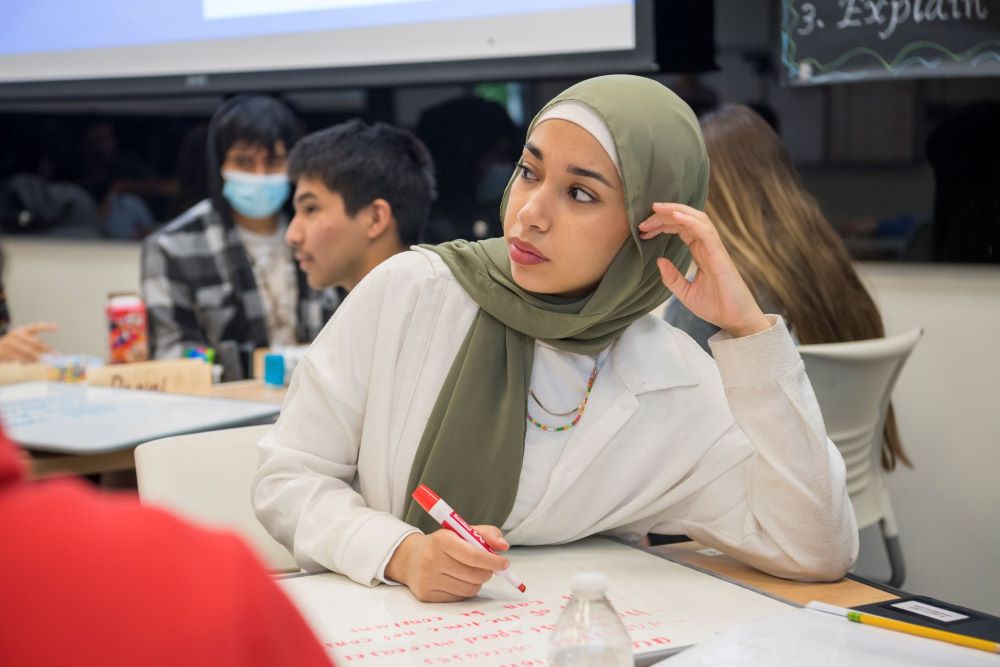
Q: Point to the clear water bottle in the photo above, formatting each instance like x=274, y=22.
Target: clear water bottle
x=589, y=632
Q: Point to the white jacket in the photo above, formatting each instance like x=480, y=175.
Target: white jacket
x=734, y=456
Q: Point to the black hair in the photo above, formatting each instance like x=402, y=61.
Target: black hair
x=362, y=163
x=258, y=120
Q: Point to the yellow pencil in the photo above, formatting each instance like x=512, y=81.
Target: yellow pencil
x=909, y=628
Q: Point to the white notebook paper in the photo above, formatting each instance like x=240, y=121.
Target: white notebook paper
x=665, y=606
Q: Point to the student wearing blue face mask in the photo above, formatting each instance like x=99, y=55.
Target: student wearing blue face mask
x=220, y=275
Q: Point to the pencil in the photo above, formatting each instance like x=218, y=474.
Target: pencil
x=908, y=628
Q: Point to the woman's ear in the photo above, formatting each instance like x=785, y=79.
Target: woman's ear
x=380, y=220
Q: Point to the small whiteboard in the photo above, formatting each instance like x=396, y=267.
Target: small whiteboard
x=78, y=419
x=665, y=607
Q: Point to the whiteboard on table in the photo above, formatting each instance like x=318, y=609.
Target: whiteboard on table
x=665, y=606
x=79, y=419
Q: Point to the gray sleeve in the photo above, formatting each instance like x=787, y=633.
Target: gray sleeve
x=678, y=316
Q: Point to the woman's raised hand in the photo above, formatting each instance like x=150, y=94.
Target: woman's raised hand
x=442, y=567
x=718, y=293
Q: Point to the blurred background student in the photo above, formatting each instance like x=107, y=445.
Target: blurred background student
x=221, y=275
x=23, y=343
x=787, y=252
x=475, y=145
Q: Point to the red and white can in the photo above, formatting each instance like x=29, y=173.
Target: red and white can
x=127, y=337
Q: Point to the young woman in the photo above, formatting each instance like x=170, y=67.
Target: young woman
x=221, y=275
x=789, y=255
x=523, y=379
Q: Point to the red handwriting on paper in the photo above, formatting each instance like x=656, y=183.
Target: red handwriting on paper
x=639, y=627
x=475, y=657
x=396, y=650
x=451, y=627
x=399, y=624
x=510, y=634
x=513, y=618
x=344, y=643
x=520, y=605
x=543, y=628
x=499, y=634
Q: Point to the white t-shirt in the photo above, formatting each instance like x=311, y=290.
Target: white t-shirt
x=277, y=284
x=559, y=380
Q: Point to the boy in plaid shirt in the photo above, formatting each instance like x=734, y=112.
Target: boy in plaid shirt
x=221, y=275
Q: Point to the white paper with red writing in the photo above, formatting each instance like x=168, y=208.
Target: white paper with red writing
x=665, y=606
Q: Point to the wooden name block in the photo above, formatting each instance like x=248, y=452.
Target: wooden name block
x=181, y=376
x=258, y=362
x=13, y=371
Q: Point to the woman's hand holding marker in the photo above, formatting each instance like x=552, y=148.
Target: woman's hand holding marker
x=442, y=567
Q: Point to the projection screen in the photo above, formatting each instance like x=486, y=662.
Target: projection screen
x=97, y=47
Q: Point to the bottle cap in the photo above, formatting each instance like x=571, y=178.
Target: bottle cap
x=589, y=584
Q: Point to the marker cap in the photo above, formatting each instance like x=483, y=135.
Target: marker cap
x=425, y=497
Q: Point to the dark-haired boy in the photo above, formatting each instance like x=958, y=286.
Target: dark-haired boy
x=362, y=194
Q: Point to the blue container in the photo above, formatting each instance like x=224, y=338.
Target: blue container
x=274, y=370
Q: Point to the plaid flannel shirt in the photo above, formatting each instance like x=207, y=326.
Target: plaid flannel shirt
x=199, y=289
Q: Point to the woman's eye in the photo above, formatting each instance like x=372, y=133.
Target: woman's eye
x=581, y=195
x=524, y=171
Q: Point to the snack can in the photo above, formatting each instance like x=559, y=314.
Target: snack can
x=127, y=339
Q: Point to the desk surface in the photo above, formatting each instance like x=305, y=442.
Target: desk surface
x=80, y=419
x=249, y=390
x=664, y=606
x=843, y=593
x=45, y=464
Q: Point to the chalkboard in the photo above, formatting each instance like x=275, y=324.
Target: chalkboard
x=824, y=41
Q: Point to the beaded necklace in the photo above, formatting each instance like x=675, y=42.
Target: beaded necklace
x=579, y=409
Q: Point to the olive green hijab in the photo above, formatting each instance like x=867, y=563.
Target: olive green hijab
x=472, y=447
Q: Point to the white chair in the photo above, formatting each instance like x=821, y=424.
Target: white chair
x=206, y=477
x=853, y=384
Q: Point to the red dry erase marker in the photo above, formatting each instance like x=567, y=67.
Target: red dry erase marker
x=442, y=512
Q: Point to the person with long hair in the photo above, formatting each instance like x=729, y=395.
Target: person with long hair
x=790, y=256
x=525, y=380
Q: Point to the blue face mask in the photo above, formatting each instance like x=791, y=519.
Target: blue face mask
x=255, y=195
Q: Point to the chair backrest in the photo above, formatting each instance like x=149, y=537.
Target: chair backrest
x=206, y=477
x=853, y=383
